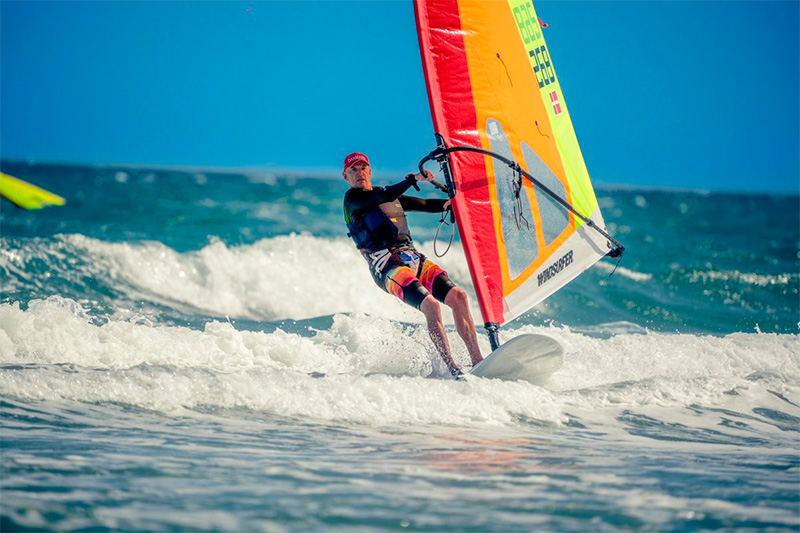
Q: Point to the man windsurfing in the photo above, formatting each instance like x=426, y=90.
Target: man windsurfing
x=376, y=220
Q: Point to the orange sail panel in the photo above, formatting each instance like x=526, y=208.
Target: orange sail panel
x=492, y=85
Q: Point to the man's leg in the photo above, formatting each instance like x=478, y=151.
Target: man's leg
x=433, y=314
x=457, y=300
x=403, y=283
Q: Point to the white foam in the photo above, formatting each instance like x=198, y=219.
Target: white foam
x=375, y=370
x=296, y=276
x=749, y=278
x=622, y=271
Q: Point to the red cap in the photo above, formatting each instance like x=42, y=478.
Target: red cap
x=354, y=158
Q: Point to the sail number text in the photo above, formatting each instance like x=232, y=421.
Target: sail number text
x=543, y=69
x=527, y=23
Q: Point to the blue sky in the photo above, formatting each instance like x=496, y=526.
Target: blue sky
x=662, y=93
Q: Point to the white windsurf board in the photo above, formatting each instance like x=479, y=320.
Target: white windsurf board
x=530, y=357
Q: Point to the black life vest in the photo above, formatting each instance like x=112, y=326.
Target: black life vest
x=379, y=227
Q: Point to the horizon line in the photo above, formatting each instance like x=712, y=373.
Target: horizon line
x=333, y=173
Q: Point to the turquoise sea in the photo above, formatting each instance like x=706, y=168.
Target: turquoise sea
x=204, y=350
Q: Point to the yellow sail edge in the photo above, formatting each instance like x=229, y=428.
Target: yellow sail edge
x=27, y=195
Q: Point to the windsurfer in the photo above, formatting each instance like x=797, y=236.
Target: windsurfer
x=376, y=220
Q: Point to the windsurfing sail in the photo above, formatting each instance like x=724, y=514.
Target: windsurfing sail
x=525, y=207
x=27, y=195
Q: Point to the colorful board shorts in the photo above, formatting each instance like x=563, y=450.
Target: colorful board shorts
x=409, y=275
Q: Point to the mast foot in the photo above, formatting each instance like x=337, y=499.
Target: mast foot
x=493, y=329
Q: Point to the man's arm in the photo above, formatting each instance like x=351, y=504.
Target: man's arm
x=360, y=199
x=412, y=203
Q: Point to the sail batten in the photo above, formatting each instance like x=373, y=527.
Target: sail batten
x=492, y=86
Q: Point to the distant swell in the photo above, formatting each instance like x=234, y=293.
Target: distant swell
x=285, y=277
x=304, y=276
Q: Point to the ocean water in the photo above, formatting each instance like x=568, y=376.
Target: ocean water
x=198, y=350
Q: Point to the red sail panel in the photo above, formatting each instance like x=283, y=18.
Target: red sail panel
x=444, y=60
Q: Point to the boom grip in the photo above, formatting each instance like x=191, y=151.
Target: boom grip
x=441, y=186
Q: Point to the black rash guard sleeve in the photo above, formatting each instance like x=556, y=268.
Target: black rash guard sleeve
x=412, y=203
x=357, y=199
